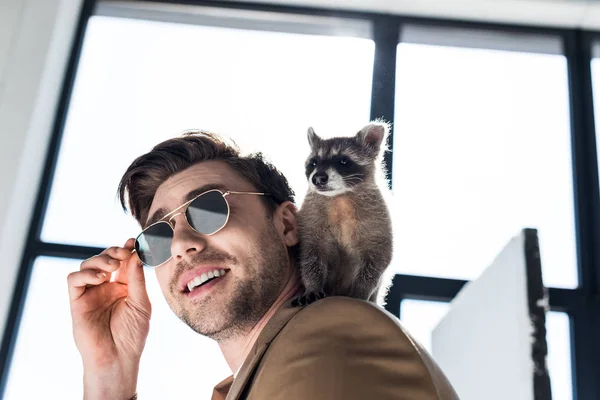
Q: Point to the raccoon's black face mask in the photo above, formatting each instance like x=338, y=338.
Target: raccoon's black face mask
x=334, y=173
x=339, y=164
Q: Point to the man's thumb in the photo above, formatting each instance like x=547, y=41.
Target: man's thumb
x=137, y=283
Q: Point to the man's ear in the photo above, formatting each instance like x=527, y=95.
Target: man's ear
x=286, y=224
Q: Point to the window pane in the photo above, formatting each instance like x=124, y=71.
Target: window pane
x=481, y=150
x=421, y=317
x=558, y=337
x=140, y=82
x=45, y=349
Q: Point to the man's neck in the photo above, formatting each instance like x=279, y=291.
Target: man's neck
x=237, y=349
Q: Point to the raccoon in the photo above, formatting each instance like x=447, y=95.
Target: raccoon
x=344, y=224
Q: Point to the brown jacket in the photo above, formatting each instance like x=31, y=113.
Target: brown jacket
x=336, y=348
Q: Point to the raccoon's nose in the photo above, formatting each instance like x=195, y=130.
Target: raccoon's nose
x=320, y=179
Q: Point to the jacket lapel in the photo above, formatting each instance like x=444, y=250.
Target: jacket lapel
x=220, y=391
x=269, y=332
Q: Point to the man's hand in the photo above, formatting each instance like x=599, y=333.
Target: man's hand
x=111, y=321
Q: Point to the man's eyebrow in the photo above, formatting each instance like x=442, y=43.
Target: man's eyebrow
x=203, y=189
x=161, y=212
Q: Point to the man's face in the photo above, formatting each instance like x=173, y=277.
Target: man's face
x=250, y=249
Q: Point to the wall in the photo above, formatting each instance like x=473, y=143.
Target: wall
x=35, y=43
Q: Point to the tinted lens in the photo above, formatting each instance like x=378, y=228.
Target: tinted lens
x=154, y=244
x=208, y=213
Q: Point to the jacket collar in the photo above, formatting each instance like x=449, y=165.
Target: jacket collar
x=220, y=391
x=231, y=389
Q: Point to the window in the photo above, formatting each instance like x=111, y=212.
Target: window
x=558, y=337
x=420, y=318
x=481, y=150
x=140, y=82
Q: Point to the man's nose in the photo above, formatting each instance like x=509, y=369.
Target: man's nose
x=186, y=242
x=320, y=179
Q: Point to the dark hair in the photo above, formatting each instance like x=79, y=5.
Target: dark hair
x=149, y=171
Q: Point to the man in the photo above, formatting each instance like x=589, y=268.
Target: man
x=220, y=230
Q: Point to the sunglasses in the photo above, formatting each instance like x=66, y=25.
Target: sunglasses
x=206, y=214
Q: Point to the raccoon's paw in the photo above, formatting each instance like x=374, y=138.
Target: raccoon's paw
x=308, y=298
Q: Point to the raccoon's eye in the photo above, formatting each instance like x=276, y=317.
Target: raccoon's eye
x=344, y=160
x=312, y=163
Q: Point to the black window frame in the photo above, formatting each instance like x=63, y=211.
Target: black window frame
x=581, y=304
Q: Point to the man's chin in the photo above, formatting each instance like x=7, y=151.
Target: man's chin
x=214, y=317
x=209, y=323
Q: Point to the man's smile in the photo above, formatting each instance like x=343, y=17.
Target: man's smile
x=200, y=285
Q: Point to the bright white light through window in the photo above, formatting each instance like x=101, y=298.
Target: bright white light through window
x=421, y=317
x=481, y=150
x=558, y=337
x=141, y=82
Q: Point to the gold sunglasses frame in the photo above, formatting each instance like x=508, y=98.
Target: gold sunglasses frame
x=173, y=214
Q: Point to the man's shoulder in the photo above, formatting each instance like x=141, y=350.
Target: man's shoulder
x=340, y=347
x=344, y=317
x=347, y=305
x=342, y=305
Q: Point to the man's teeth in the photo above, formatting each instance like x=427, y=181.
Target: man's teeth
x=199, y=280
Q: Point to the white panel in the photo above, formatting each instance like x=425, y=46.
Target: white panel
x=481, y=39
x=27, y=108
x=484, y=343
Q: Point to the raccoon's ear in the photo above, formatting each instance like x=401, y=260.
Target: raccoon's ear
x=373, y=135
x=313, y=139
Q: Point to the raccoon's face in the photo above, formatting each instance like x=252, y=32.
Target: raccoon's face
x=331, y=173
x=341, y=164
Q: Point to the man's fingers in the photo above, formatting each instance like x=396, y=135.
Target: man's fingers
x=110, y=259
x=121, y=253
x=131, y=273
x=121, y=274
x=130, y=244
x=125, y=267
x=78, y=281
x=101, y=261
x=137, y=284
